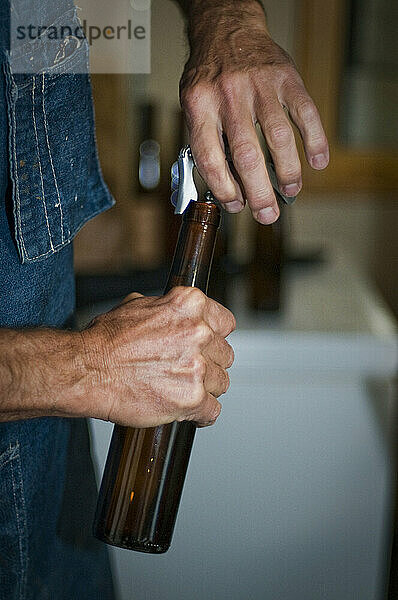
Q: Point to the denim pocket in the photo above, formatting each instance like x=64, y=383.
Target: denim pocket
x=57, y=181
x=13, y=527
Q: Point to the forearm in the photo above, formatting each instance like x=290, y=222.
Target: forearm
x=40, y=374
x=203, y=16
x=125, y=366
x=192, y=7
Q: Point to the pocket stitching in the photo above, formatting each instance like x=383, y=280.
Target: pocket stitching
x=22, y=538
x=53, y=248
x=51, y=161
x=40, y=167
x=104, y=201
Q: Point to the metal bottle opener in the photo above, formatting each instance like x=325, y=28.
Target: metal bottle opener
x=183, y=185
x=182, y=182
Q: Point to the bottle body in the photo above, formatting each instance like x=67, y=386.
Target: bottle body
x=142, y=486
x=145, y=469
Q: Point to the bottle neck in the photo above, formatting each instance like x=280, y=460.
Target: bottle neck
x=195, y=247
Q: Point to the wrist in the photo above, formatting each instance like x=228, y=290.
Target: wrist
x=195, y=6
x=85, y=382
x=54, y=381
x=94, y=384
x=225, y=32
x=38, y=373
x=207, y=15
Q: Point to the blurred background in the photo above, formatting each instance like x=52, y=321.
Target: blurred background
x=300, y=489
x=347, y=54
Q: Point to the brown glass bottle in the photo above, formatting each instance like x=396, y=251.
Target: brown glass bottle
x=145, y=468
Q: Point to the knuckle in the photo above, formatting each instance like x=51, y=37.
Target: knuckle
x=132, y=296
x=279, y=135
x=196, y=299
x=198, y=369
x=228, y=320
x=187, y=298
x=178, y=297
x=209, y=163
x=203, y=334
x=228, y=83
x=191, y=96
x=196, y=398
x=317, y=139
x=228, y=191
x=290, y=173
x=307, y=110
x=289, y=76
x=246, y=155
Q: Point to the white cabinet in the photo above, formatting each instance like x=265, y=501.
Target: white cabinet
x=288, y=496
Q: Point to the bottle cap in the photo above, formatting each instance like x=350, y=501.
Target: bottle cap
x=206, y=212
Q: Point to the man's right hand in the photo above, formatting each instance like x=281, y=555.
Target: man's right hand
x=154, y=360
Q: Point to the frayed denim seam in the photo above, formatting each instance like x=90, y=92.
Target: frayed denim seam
x=12, y=94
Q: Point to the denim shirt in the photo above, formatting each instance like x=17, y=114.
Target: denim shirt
x=50, y=184
x=57, y=184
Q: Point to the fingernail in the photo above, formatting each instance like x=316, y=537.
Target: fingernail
x=266, y=216
x=291, y=190
x=233, y=207
x=319, y=161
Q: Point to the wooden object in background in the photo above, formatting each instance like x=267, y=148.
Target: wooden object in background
x=146, y=224
x=321, y=35
x=104, y=244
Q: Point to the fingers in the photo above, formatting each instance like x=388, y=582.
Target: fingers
x=195, y=304
x=211, y=163
x=212, y=355
x=305, y=115
x=219, y=352
x=208, y=412
x=205, y=138
x=219, y=318
x=282, y=145
x=248, y=160
x=208, y=382
x=216, y=380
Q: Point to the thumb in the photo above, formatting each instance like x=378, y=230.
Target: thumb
x=132, y=296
